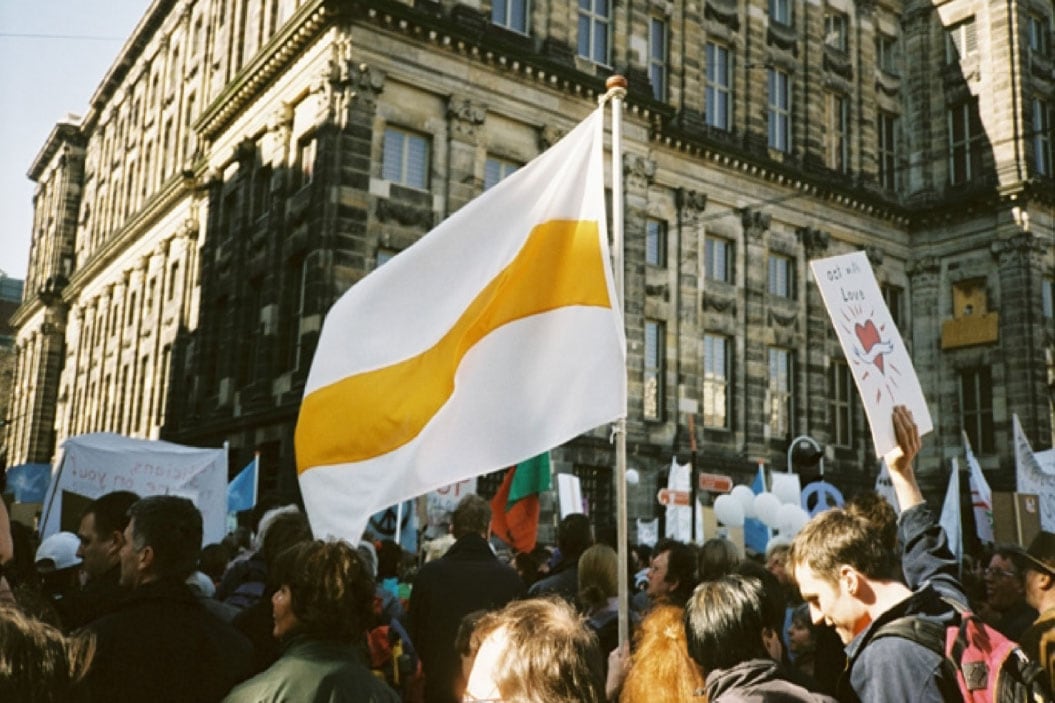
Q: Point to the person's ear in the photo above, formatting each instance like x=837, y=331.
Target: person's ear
x=117, y=540
x=145, y=559
x=849, y=579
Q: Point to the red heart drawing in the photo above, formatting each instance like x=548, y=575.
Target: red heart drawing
x=868, y=335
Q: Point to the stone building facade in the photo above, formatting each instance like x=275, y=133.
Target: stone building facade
x=244, y=162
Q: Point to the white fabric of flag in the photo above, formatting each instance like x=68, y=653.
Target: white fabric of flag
x=494, y=338
x=951, y=520
x=981, y=495
x=1035, y=473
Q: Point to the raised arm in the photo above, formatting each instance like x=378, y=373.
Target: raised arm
x=902, y=472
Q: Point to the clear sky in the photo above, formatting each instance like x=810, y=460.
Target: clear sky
x=53, y=55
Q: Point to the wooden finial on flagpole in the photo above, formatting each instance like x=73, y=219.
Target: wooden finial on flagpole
x=615, y=81
x=615, y=87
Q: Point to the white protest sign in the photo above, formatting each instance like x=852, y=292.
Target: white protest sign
x=679, y=517
x=441, y=502
x=569, y=493
x=98, y=463
x=875, y=352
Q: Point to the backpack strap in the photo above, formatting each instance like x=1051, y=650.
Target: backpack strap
x=931, y=635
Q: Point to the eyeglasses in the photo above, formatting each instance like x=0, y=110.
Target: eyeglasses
x=993, y=573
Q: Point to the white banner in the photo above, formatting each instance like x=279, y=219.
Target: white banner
x=98, y=463
x=1036, y=474
x=875, y=352
x=440, y=503
x=648, y=531
x=679, y=517
x=569, y=494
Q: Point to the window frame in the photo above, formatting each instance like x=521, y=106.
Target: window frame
x=402, y=171
x=961, y=40
x=837, y=136
x=969, y=148
x=887, y=149
x=1042, y=119
x=718, y=87
x=780, y=391
x=977, y=420
x=656, y=242
x=838, y=23
x=841, y=403
x=505, y=168
x=781, y=285
x=781, y=12
x=503, y=14
x=726, y=266
x=658, y=57
x=778, y=109
x=590, y=20
x=717, y=379
x=653, y=370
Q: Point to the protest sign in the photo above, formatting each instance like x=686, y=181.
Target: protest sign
x=875, y=352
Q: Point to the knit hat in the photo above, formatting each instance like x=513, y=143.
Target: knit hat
x=61, y=550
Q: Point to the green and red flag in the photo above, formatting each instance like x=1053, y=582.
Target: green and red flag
x=515, y=508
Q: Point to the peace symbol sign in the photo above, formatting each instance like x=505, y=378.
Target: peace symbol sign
x=820, y=496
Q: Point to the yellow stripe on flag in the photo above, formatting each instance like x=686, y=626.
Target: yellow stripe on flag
x=375, y=412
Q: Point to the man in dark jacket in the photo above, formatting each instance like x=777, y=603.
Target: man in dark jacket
x=574, y=536
x=102, y=534
x=467, y=578
x=160, y=644
x=732, y=630
x=847, y=578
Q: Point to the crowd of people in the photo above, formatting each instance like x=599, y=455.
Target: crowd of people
x=132, y=608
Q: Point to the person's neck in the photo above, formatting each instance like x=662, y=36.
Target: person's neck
x=886, y=595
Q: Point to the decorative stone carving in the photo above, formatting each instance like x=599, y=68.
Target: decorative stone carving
x=549, y=135
x=789, y=320
x=465, y=117
x=875, y=255
x=640, y=172
x=754, y=222
x=724, y=12
x=388, y=210
x=362, y=82
x=690, y=201
x=924, y=265
x=814, y=241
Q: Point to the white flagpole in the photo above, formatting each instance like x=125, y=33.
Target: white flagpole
x=256, y=477
x=616, y=86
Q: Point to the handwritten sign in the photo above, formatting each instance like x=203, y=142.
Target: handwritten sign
x=440, y=504
x=875, y=352
x=99, y=463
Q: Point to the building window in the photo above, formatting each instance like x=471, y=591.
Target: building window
x=1042, y=124
x=976, y=408
x=838, y=132
x=130, y=312
x=961, y=40
x=887, y=153
x=261, y=191
x=657, y=58
x=840, y=399
x=887, y=54
x=595, y=30
x=716, y=374
x=965, y=142
x=780, y=11
x=719, y=87
x=894, y=296
x=835, y=30
x=1047, y=297
x=173, y=273
x=304, y=162
x=718, y=259
x=597, y=494
x=781, y=276
x=654, y=354
x=1038, y=35
x=779, y=110
x=406, y=159
x=655, y=242
x=496, y=169
x=780, y=378
x=384, y=255
x=511, y=14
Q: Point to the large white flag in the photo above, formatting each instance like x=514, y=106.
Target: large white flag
x=1035, y=473
x=981, y=495
x=494, y=338
x=951, y=521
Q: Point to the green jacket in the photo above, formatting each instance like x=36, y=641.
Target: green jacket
x=315, y=671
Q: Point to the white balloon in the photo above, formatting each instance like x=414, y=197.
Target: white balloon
x=746, y=498
x=728, y=511
x=632, y=477
x=786, y=488
x=799, y=521
x=767, y=509
x=787, y=517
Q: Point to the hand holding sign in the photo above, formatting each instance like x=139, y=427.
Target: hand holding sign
x=875, y=352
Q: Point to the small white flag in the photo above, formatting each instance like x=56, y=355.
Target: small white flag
x=981, y=495
x=951, y=521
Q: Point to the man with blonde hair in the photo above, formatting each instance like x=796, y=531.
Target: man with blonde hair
x=845, y=576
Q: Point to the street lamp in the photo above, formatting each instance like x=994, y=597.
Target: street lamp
x=805, y=452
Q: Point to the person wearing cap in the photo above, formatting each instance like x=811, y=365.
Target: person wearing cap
x=1038, y=565
x=58, y=568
